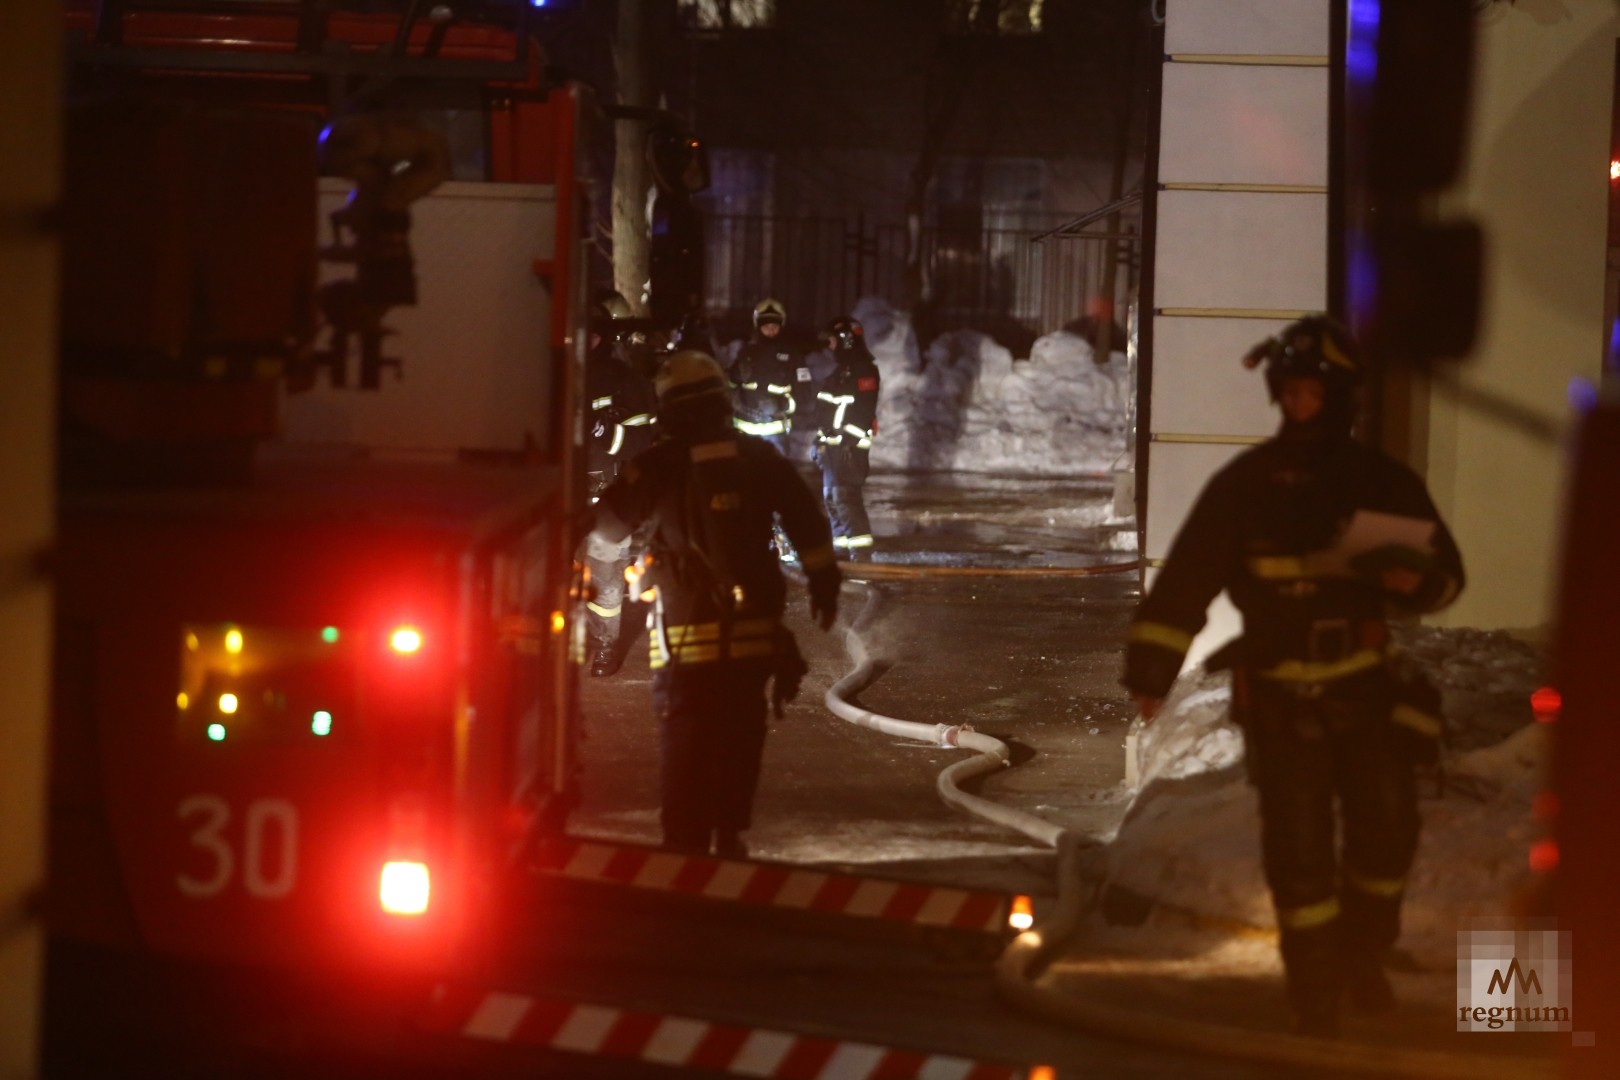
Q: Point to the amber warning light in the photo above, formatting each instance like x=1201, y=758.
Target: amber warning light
x=404, y=889
x=1022, y=915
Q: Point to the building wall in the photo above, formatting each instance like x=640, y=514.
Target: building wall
x=1241, y=244
x=1536, y=179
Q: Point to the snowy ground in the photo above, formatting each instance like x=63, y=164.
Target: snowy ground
x=1191, y=838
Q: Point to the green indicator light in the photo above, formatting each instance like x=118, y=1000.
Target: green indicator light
x=321, y=723
x=216, y=732
x=330, y=635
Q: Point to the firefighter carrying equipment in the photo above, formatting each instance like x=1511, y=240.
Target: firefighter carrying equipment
x=1259, y=530
x=712, y=565
x=1313, y=687
x=711, y=496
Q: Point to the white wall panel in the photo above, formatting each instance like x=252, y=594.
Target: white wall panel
x=475, y=347
x=1234, y=124
x=1178, y=472
x=1200, y=386
x=1220, y=249
x=1248, y=27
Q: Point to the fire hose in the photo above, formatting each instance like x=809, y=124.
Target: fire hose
x=1021, y=964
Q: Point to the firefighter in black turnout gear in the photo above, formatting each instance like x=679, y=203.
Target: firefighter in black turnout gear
x=622, y=411
x=1326, y=713
x=766, y=376
x=710, y=493
x=846, y=423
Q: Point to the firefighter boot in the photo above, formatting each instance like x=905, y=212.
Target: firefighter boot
x=1371, y=923
x=1368, y=985
x=606, y=658
x=1314, y=962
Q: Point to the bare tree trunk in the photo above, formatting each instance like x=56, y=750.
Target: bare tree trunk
x=632, y=234
x=957, y=59
x=1104, y=349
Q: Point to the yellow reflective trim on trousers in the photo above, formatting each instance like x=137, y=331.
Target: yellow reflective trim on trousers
x=1313, y=671
x=863, y=540
x=1416, y=719
x=818, y=558
x=1389, y=888
x=742, y=629
x=605, y=612
x=1166, y=637
x=1304, y=918
x=678, y=635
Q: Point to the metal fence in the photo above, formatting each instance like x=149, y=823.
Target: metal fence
x=995, y=279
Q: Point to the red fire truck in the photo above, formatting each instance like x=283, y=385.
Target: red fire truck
x=315, y=673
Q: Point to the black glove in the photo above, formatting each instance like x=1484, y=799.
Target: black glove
x=824, y=585
x=789, y=671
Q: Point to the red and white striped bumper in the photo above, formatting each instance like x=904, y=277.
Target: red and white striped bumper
x=776, y=886
x=683, y=1042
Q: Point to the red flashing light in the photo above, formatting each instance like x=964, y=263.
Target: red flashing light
x=405, y=888
x=405, y=639
x=1546, y=703
x=1544, y=856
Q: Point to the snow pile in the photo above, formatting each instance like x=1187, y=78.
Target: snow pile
x=1485, y=678
x=966, y=404
x=1193, y=733
x=1191, y=837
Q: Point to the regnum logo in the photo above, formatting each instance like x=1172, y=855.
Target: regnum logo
x=1513, y=975
x=1527, y=980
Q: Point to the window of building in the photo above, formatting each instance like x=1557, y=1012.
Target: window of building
x=727, y=14
x=1004, y=17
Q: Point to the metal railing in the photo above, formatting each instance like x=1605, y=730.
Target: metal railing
x=1002, y=280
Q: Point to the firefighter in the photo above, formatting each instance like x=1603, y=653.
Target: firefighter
x=717, y=592
x=846, y=422
x=766, y=376
x=1315, y=687
x=623, y=410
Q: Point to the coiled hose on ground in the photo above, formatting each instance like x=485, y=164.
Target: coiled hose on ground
x=1021, y=964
